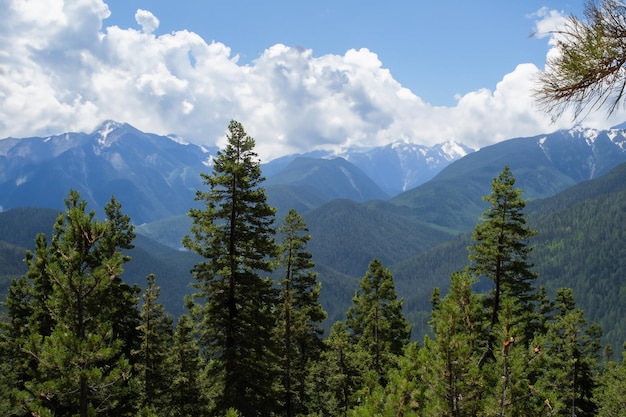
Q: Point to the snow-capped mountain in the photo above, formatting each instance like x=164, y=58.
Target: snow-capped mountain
x=154, y=176
x=395, y=168
x=157, y=176
x=401, y=166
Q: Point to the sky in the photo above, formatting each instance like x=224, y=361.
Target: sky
x=299, y=75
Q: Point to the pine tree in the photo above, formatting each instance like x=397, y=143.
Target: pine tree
x=404, y=393
x=510, y=378
x=376, y=320
x=587, y=72
x=77, y=365
x=234, y=233
x=452, y=359
x=335, y=380
x=569, y=353
x=15, y=365
x=156, y=332
x=300, y=313
x=610, y=394
x=500, y=250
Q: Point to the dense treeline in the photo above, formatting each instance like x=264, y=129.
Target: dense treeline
x=77, y=340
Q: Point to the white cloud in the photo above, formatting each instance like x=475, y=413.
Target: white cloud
x=148, y=22
x=62, y=70
x=547, y=22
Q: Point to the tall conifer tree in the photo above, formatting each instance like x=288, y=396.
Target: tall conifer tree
x=156, y=331
x=300, y=312
x=610, y=394
x=335, y=380
x=451, y=359
x=500, y=250
x=234, y=233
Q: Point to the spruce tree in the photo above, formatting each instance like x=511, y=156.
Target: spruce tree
x=15, y=365
x=300, y=313
x=376, y=320
x=234, y=233
x=404, y=393
x=510, y=378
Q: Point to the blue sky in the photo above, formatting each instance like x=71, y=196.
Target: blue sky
x=437, y=49
x=299, y=75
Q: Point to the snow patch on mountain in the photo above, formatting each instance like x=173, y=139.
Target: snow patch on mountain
x=106, y=139
x=618, y=137
x=349, y=177
x=542, y=145
x=209, y=161
x=117, y=162
x=180, y=140
x=453, y=150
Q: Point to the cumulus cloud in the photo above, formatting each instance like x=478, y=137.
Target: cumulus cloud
x=148, y=22
x=62, y=70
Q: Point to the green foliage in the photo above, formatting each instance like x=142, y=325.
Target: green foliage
x=500, y=250
x=376, y=321
x=300, y=313
x=381, y=233
x=581, y=247
x=81, y=318
x=403, y=393
x=73, y=342
x=335, y=380
x=452, y=358
x=187, y=398
x=610, y=394
x=569, y=352
x=156, y=337
x=234, y=234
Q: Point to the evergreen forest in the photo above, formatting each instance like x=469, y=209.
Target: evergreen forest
x=77, y=340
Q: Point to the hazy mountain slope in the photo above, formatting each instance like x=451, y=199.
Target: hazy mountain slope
x=156, y=176
x=400, y=166
x=347, y=236
x=153, y=176
x=543, y=166
x=329, y=178
x=395, y=167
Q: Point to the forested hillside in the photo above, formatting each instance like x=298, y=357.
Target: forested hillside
x=579, y=245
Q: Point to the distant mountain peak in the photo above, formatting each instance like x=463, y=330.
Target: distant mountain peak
x=109, y=131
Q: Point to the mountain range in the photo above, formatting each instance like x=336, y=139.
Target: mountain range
x=410, y=206
x=157, y=176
